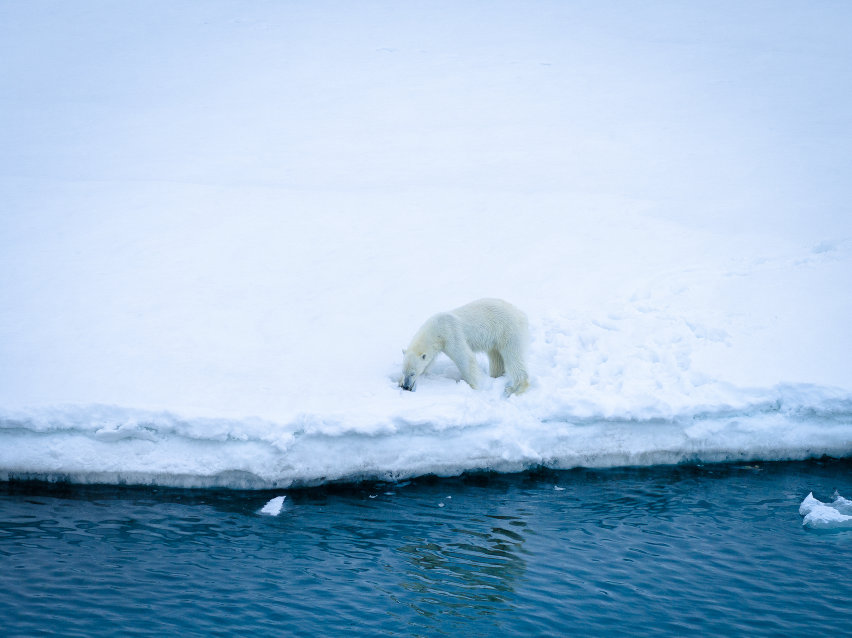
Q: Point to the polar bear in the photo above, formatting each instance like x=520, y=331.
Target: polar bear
x=486, y=325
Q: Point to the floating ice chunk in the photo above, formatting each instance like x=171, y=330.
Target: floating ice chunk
x=819, y=515
x=826, y=517
x=808, y=505
x=842, y=505
x=273, y=507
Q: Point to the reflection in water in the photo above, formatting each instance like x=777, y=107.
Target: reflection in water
x=471, y=572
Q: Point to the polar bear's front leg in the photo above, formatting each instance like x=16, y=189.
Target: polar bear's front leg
x=470, y=372
x=465, y=359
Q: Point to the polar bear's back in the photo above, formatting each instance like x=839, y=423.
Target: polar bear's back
x=490, y=322
x=490, y=307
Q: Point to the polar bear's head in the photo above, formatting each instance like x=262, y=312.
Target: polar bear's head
x=414, y=363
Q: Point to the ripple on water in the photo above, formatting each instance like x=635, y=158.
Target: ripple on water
x=680, y=550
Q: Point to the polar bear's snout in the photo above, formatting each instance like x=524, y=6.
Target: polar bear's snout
x=409, y=382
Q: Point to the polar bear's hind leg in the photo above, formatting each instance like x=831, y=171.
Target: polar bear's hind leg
x=518, y=387
x=514, y=357
x=496, y=368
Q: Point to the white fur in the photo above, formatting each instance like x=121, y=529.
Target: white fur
x=486, y=325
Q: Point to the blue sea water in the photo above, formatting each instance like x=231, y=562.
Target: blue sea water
x=664, y=551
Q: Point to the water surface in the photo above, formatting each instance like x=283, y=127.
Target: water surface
x=716, y=549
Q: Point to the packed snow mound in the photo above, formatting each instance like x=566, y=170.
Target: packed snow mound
x=819, y=515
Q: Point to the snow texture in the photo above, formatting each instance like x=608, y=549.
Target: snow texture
x=222, y=221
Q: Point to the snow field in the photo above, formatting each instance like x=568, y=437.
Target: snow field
x=221, y=224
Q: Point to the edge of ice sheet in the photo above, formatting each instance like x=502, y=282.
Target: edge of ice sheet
x=819, y=515
x=103, y=444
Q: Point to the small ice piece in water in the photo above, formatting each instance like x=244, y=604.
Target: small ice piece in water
x=819, y=515
x=558, y=489
x=273, y=507
x=842, y=505
x=808, y=505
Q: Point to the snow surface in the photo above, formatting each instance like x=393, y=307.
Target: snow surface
x=221, y=222
x=819, y=515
